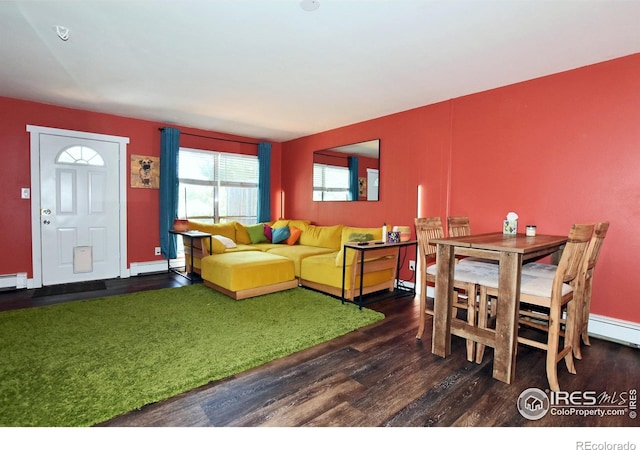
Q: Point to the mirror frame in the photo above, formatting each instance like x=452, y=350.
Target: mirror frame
x=366, y=172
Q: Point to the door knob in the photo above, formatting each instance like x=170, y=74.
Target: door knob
x=46, y=212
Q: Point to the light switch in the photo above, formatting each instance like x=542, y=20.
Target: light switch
x=25, y=193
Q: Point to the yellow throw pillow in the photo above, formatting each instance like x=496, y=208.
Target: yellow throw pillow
x=242, y=236
x=228, y=243
x=298, y=223
x=280, y=223
x=217, y=246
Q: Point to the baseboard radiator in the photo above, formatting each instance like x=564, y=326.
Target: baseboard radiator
x=142, y=268
x=13, y=281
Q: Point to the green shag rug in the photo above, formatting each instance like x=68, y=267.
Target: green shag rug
x=81, y=363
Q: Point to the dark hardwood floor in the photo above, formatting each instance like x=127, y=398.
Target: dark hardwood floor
x=379, y=376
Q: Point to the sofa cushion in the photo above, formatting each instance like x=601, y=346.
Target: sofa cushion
x=242, y=237
x=227, y=229
x=221, y=244
x=323, y=270
x=291, y=222
x=297, y=253
x=217, y=246
x=280, y=223
x=295, y=235
x=361, y=237
x=238, y=248
x=256, y=233
x=321, y=236
x=351, y=234
x=228, y=243
x=268, y=232
x=243, y=248
x=279, y=235
x=246, y=270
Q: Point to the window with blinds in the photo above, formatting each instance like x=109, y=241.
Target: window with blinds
x=217, y=187
x=330, y=182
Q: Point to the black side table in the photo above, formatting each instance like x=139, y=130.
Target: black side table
x=191, y=235
x=376, y=249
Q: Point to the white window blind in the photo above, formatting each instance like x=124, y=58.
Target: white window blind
x=218, y=187
x=330, y=182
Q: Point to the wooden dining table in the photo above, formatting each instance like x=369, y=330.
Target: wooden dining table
x=511, y=251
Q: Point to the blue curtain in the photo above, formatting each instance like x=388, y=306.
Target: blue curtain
x=354, y=191
x=169, y=147
x=264, y=182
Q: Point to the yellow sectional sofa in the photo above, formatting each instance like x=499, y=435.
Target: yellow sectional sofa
x=245, y=263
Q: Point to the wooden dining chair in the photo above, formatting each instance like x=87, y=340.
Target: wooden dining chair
x=464, y=282
x=427, y=228
x=458, y=226
x=583, y=288
x=552, y=296
x=485, y=307
x=582, y=306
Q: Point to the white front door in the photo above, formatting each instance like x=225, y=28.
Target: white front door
x=79, y=209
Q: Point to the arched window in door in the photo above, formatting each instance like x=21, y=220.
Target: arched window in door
x=80, y=155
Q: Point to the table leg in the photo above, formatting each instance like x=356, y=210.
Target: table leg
x=190, y=274
x=443, y=301
x=508, y=307
x=344, y=269
x=361, y=278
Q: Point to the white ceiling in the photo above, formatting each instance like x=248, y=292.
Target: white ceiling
x=271, y=70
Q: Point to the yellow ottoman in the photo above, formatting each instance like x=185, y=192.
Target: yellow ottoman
x=248, y=274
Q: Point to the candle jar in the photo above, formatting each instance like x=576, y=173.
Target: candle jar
x=530, y=230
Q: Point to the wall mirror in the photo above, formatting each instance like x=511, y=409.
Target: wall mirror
x=347, y=173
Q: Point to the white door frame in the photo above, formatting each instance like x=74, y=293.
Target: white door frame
x=36, y=251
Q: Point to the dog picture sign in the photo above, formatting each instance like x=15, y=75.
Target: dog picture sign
x=145, y=172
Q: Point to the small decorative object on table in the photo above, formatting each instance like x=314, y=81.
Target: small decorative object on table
x=181, y=225
x=393, y=237
x=530, y=230
x=405, y=232
x=510, y=225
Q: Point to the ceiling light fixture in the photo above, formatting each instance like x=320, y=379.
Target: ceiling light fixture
x=62, y=32
x=309, y=5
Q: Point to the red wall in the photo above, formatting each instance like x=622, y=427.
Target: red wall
x=557, y=150
x=143, y=233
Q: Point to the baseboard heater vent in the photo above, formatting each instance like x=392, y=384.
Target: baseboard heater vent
x=142, y=268
x=13, y=281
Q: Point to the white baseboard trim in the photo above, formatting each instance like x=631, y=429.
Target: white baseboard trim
x=603, y=327
x=13, y=281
